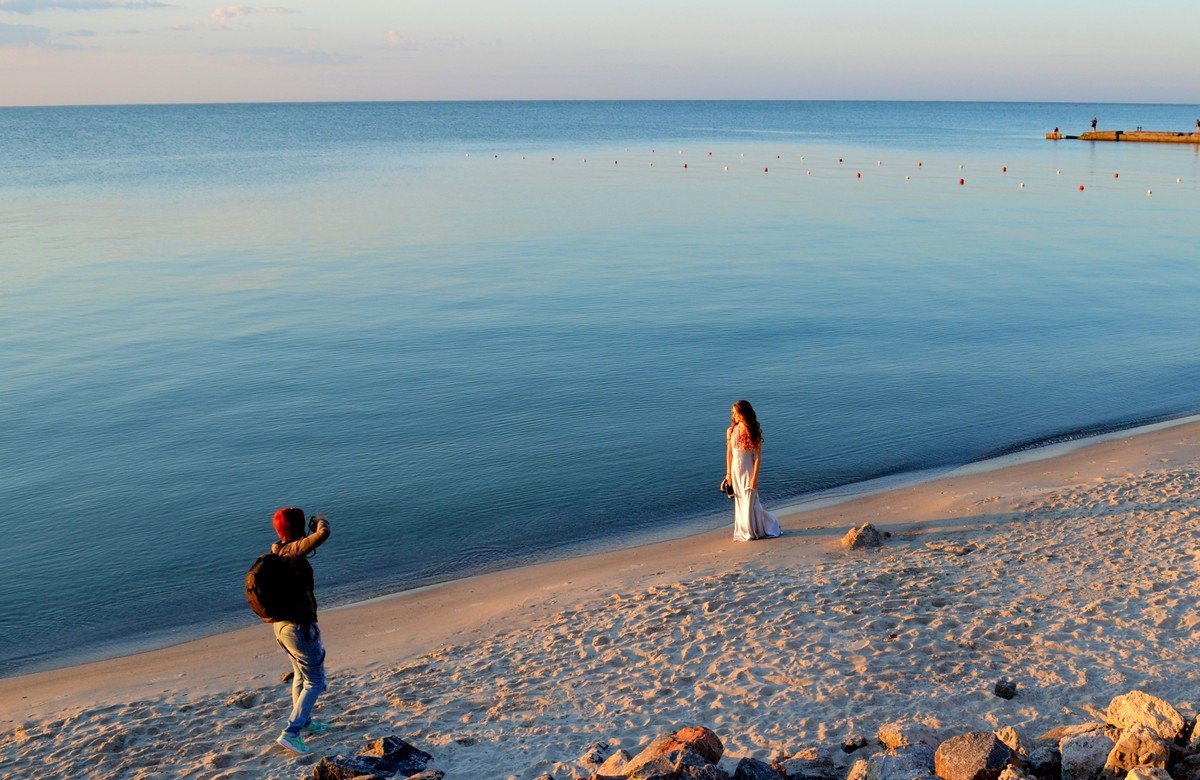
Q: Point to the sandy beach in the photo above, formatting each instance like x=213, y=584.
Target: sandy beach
x=1072, y=576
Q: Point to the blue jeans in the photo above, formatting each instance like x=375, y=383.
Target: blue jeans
x=302, y=643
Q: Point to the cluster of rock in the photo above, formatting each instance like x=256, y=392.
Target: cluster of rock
x=381, y=759
x=1140, y=737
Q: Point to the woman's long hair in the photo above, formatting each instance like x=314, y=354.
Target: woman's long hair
x=752, y=427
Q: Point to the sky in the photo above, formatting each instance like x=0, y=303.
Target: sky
x=55, y=52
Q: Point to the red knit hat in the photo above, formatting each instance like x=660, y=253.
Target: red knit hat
x=289, y=522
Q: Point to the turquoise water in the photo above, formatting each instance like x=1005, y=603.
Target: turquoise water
x=480, y=335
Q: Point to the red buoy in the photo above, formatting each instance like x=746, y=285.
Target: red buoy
x=1116, y=175
x=764, y=170
x=962, y=181
x=1004, y=169
x=858, y=175
x=685, y=165
x=1081, y=188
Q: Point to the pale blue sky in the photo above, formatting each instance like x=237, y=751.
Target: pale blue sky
x=153, y=51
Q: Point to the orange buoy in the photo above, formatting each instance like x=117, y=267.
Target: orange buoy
x=1081, y=188
x=1003, y=169
x=764, y=170
x=1116, y=175
x=962, y=181
x=858, y=175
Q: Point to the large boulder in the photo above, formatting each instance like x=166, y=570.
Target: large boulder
x=614, y=766
x=903, y=733
x=976, y=755
x=809, y=765
x=1084, y=755
x=1138, y=708
x=681, y=754
x=908, y=763
x=753, y=769
x=866, y=535
x=1138, y=746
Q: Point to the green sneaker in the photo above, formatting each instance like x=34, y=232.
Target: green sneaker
x=315, y=727
x=294, y=743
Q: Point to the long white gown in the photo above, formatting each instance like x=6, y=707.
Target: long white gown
x=750, y=519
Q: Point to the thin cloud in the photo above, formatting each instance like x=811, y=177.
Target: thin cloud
x=12, y=35
x=397, y=40
x=224, y=15
x=30, y=6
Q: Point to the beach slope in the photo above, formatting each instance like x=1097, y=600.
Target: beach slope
x=1071, y=576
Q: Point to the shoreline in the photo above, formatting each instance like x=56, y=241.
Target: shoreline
x=525, y=584
x=1029, y=451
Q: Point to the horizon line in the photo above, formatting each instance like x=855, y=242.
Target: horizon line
x=169, y=104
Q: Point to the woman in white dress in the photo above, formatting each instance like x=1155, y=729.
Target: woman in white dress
x=743, y=457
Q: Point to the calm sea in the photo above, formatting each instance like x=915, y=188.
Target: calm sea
x=479, y=335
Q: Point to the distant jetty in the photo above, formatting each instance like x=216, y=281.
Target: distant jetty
x=1138, y=136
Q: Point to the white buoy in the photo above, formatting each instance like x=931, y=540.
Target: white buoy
x=1149, y=193
x=1022, y=185
x=809, y=173
x=1178, y=180
x=906, y=178
x=726, y=167
x=1059, y=172
x=879, y=162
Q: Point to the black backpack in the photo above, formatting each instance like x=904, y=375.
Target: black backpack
x=270, y=587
